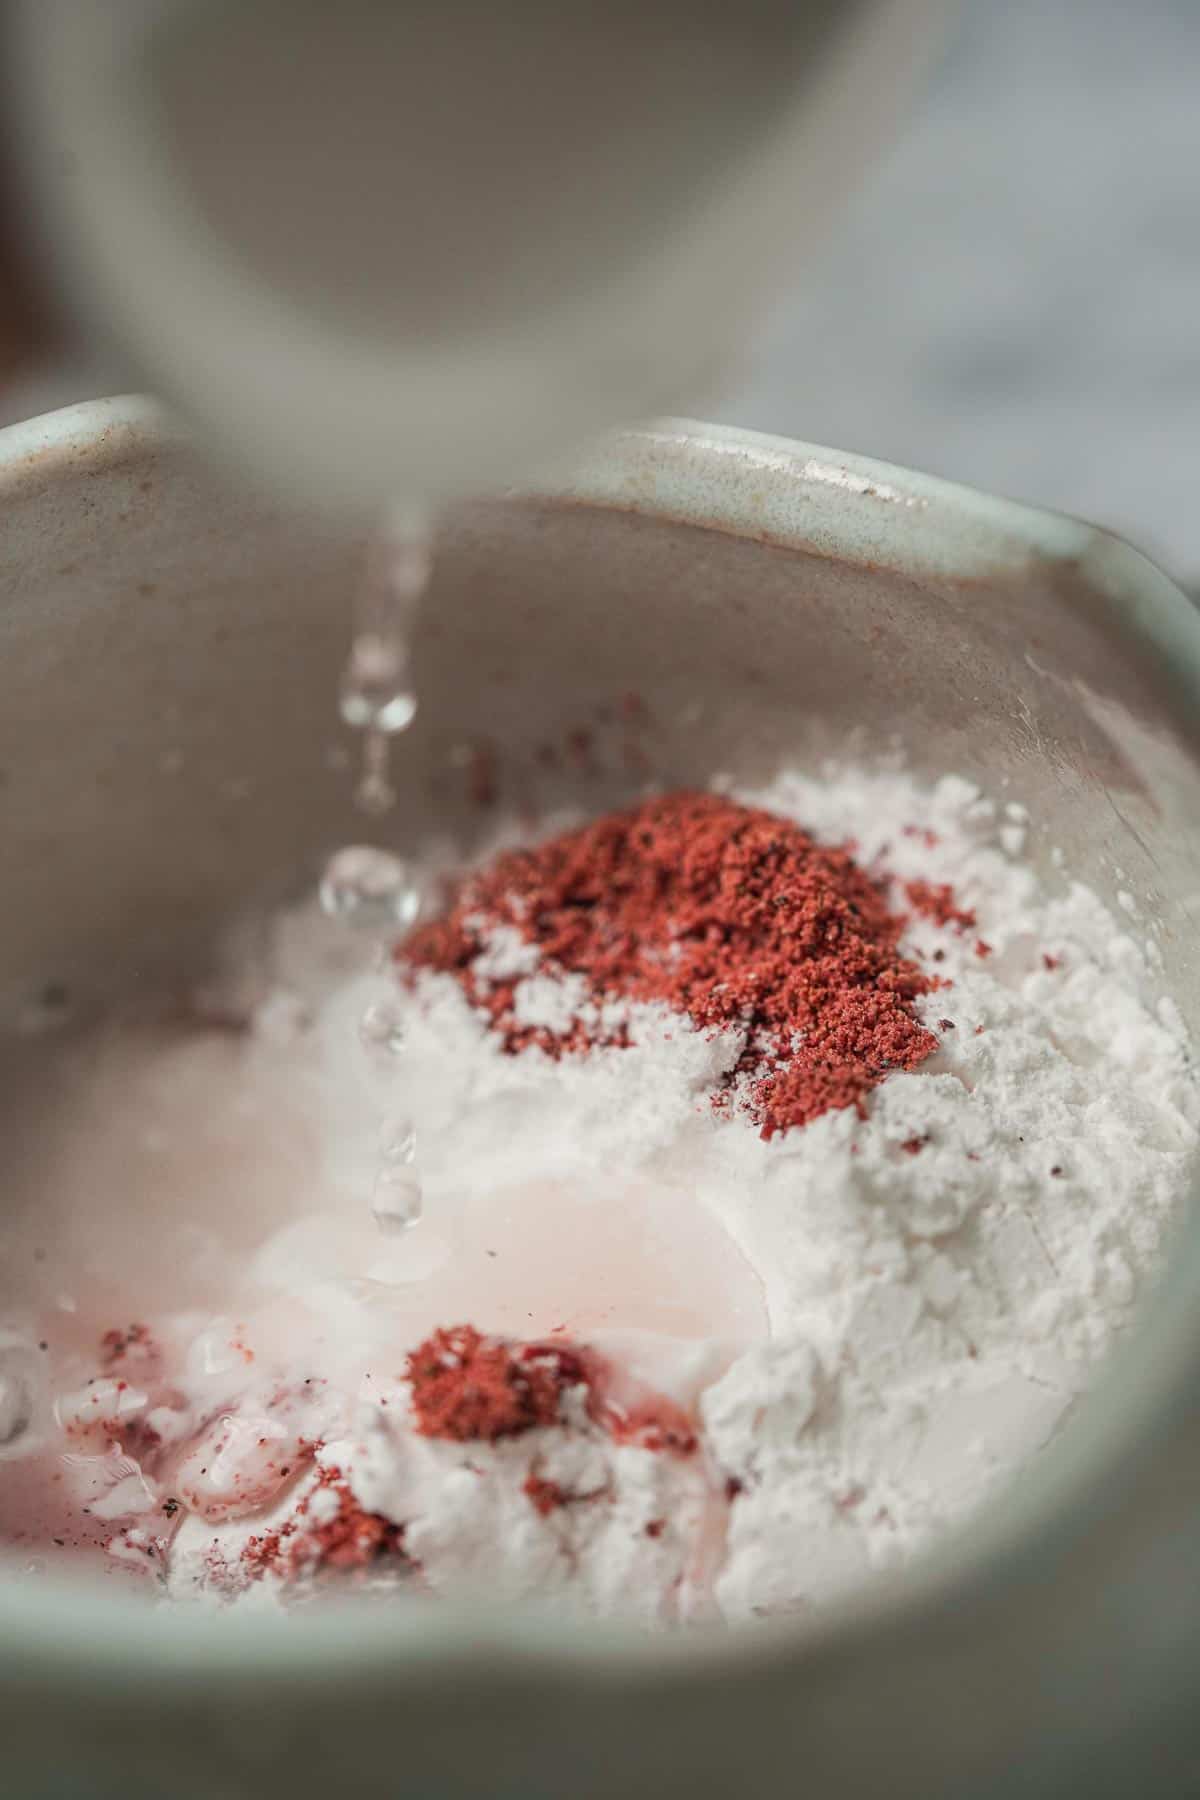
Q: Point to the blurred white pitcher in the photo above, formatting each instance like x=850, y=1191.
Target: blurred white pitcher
x=415, y=247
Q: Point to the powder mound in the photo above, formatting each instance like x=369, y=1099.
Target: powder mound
x=725, y=913
x=466, y=1386
x=351, y=1537
x=330, y=1531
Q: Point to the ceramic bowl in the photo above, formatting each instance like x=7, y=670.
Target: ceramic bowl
x=168, y=656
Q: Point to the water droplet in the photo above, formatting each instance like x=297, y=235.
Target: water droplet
x=382, y=1028
x=396, y=1198
x=398, y=1144
x=376, y=694
x=375, y=794
x=398, y=714
x=369, y=887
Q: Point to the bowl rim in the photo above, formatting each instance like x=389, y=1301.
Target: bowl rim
x=827, y=503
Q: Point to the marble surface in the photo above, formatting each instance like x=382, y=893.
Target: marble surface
x=1014, y=297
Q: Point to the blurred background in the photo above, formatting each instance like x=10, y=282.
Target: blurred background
x=1013, y=298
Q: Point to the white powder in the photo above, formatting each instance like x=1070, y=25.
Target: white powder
x=931, y=1316
x=874, y=1320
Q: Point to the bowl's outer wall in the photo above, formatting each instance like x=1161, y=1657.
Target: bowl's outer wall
x=169, y=756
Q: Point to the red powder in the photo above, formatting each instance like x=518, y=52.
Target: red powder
x=657, y=1425
x=936, y=901
x=633, y=1412
x=265, y=1550
x=352, y=1539
x=544, y=1496
x=134, y=1341
x=724, y=913
x=466, y=1386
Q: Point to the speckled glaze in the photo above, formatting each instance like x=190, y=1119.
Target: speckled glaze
x=800, y=594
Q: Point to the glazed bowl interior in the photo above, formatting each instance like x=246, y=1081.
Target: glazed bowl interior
x=689, y=604
x=171, y=754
